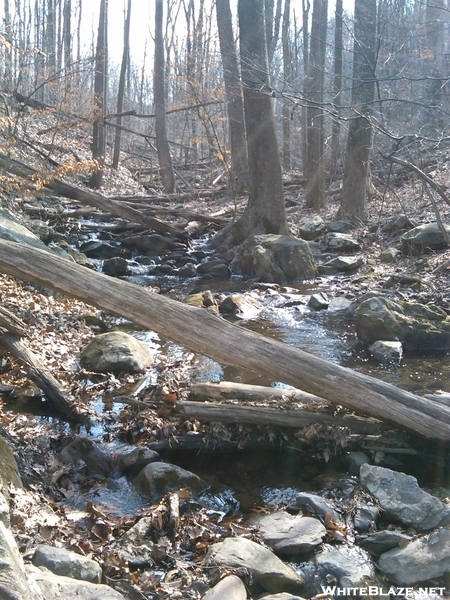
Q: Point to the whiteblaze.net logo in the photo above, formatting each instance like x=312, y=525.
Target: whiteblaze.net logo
x=373, y=590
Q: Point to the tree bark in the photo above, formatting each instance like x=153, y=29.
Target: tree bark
x=337, y=90
x=121, y=90
x=208, y=334
x=287, y=75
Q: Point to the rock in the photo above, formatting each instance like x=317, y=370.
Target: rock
x=397, y=223
x=9, y=471
x=355, y=460
x=4, y=511
x=220, y=271
x=228, y=588
x=85, y=449
x=339, y=226
x=365, y=517
x=115, y=267
x=137, y=547
x=64, y=562
x=188, y=270
x=312, y=229
x=424, y=238
x=240, y=305
x=115, y=352
x=421, y=560
x=44, y=232
x=387, y=352
x=210, y=266
x=13, y=581
x=157, y=479
x=132, y=460
x=265, y=568
x=151, y=244
x=11, y=230
x=339, y=304
x=417, y=326
x=276, y=259
x=401, y=498
x=312, y=504
x=344, y=263
x=96, y=249
x=79, y=257
x=319, y=301
x=350, y=566
x=378, y=542
x=340, y=242
x=56, y=587
x=287, y=534
x=390, y=255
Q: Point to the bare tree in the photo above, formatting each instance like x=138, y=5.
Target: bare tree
x=287, y=79
x=121, y=91
x=337, y=89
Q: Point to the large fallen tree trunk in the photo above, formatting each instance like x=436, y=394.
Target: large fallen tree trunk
x=92, y=198
x=208, y=334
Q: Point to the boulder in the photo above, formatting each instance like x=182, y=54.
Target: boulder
x=386, y=352
x=265, y=568
x=417, y=326
x=131, y=461
x=319, y=301
x=339, y=226
x=421, y=560
x=151, y=244
x=397, y=223
x=13, y=231
x=288, y=534
x=158, y=478
x=240, y=305
x=350, y=566
x=96, y=249
x=115, y=266
x=276, y=259
x=343, y=263
x=378, y=542
x=390, y=255
x=365, y=516
x=9, y=471
x=340, y=242
x=228, y=588
x=115, y=352
x=312, y=229
x=13, y=581
x=312, y=504
x=400, y=498
x=65, y=562
x=85, y=449
x=424, y=238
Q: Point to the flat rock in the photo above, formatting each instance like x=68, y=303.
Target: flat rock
x=288, y=534
x=67, y=563
x=266, y=569
x=228, y=588
x=312, y=504
x=340, y=242
x=115, y=352
x=424, y=238
x=350, y=566
x=312, y=229
x=344, y=263
x=401, y=498
x=378, y=542
x=158, y=478
x=386, y=352
x=421, y=560
x=13, y=231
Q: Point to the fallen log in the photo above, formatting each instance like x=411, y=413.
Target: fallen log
x=243, y=391
x=92, y=198
x=227, y=343
x=231, y=413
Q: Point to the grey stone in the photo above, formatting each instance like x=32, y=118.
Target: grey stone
x=266, y=569
x=312, y=504
x=13, y=231
x=390, y=255
x=4, y=511
x=158, y=478
x=339, y=226
x=386, y=352
x=421, y=560
x=319, y=301
x=56, y=587
x=151, y=244
x=424, y=238
x=350, y=566
x=115, y=266
x=210, y=266
x=188, y=270
x=69, y=564
x=365, y=517
x=397, y=223
x=13, y=581
x=85, y=449
x=96, y=249
x=400, y=497
x=312, y=229
x=228, y=588
x=344, y=263
x=339, y=304
x=130, y=462
x=340, y=242
x=288, y=534
x=115, y=352
x=378, y=542
x=240, y=305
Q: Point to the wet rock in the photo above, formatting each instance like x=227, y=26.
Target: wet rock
x=386, y=352
x=9, y=471
x=276, y=259
x=115, y=352
x=312, y=229
x=350, y=566
x=151, y=244
x=390, y=255
x=64, y=562
x=343, y=263
x=266, y=569
x=55, y=587
x=312, y=504
x=84, y=449
x=96, y=249
x=212, y=266
x=13, y=231
x=288, y=534
x=240, y=305
x=79, y=257
x=397, y=223
x=157, y=479
x=378, y=542
x=421, y=560
x=115, y=267
x=417, y=326
x=228, y=588
x=340, y=242
x=365, y=517
x=339, y=304
x=202, y=300
x=319, y=301
x=130, y=462
x=188, y=270
x=400, y=497
x=13, y=581
x=355, y=460
x=424, y=238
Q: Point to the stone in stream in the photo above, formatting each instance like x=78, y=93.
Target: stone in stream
x=115, y=352
x=400, y=498
x=83, y=448
x=349, y=566
x=264, y=566
x=228, y=588
x=386, y=351
x=288, y=534
x=312, y=504
x=13, y=581
x=158, y=478
x=378, y=542
x=65, y=562
x=421, y=560
x=115, y=266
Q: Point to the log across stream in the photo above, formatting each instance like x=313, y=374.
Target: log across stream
x=227, y=343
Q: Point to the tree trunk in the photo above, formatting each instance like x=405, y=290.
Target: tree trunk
x=121, y=90
x=101, y=62
x=67, y=42
x=337, y=91
x=208, y=334
x=162, y=144
x=359, y=142
x=287, y=76
x=235, y=107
